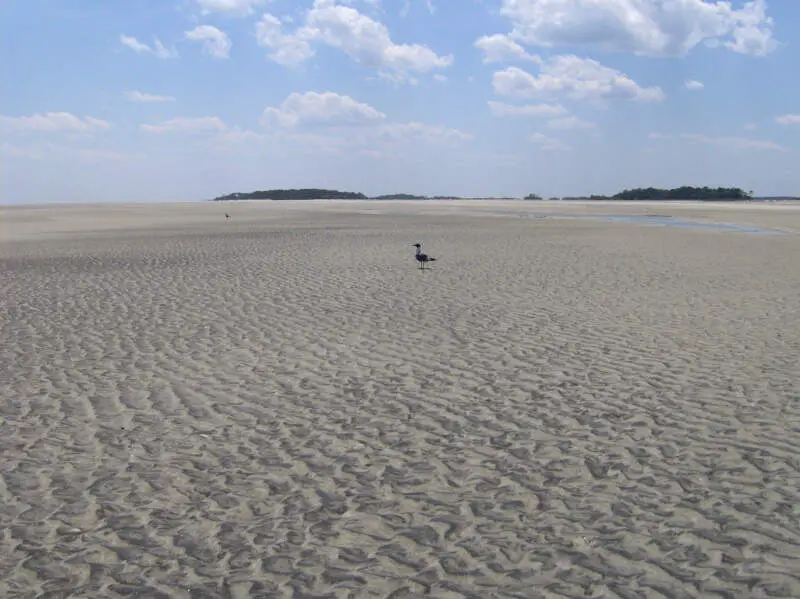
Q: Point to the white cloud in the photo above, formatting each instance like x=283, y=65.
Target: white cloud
x=503, y=109
x=575, y=78
x=415, y=131
x=752, y=33
x=736, y=143
x=569, y=123
x=368, y=42
x=212, y=130
x=239, y=8
x=363, y=39
x=643, y=27
x=657, y=135
x=375, y=140
x=137, y=96
x=751, y=127
x=209, y=124
x=693, y=85
x=406, y=6
x=331, y=122
x=93, y=123
x=158, y=50
x=549, y=143
x=216, y=42
x=501, y=48
x=53, y=122
x=327, y=109
x=788, y=119
x=287, y=50
x=397, y=78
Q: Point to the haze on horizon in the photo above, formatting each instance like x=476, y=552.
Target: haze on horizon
x=190, y=99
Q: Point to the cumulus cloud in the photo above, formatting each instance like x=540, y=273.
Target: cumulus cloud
x=788, y=119
x=331, y=120
x=569, y=123
x=643, y=27
x=216, y=42
x=363, y=39
x=210, y=129
x=575, y=78
x=368, y=42
x=503, y=109
x=420, y=131
x=239, y=8
x=693, y=85
x=137, y=96
x=157, y=49
x=327, y=108
x=501, y=48
x=209, y=124
x=549, y=143
x=286, y=49
x=53, y=122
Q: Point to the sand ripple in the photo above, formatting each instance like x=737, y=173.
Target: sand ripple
x=556, y=410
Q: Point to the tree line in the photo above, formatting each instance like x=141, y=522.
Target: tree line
x=706, y=194
x=294, y=194
x=640, y=193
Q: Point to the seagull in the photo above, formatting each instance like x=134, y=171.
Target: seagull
x=227, y=216
x=423, y=259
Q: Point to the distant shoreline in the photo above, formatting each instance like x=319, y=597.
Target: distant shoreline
x=650, y=194
x=517, y=199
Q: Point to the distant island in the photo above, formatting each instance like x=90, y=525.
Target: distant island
x=332, y=194
x=701, y=194
x=293, y=194
x=399, y=196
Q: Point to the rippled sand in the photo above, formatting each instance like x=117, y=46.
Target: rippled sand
x=282, y=405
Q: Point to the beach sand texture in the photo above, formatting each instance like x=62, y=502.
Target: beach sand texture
x=282, y=405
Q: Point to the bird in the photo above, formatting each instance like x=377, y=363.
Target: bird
x=227, y=216
x=423, y=259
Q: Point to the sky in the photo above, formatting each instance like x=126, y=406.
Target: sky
x=176, y=100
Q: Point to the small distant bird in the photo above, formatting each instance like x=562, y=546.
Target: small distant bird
x=423, y=259
x=227, y=216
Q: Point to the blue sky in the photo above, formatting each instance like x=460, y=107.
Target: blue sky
x=159, y=100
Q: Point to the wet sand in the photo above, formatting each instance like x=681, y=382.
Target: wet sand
x=282, y=405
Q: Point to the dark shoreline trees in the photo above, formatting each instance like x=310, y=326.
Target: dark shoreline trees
x=708, y=194
x=399, y=196
x=703, y=194
x=294, y=194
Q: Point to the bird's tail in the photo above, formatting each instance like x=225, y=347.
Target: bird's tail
x=432, y=259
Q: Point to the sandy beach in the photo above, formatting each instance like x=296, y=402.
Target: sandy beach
x=281, y=405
